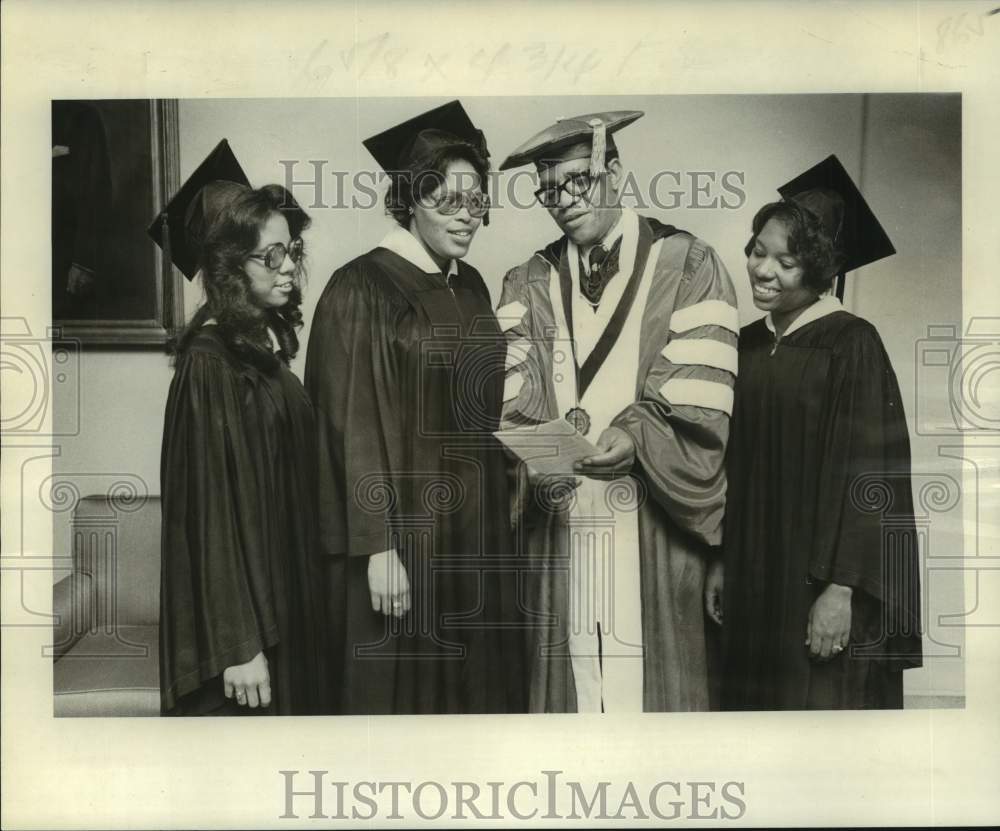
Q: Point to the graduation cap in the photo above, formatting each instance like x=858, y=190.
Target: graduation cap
x=180, y=228
x=579, y=137
x=406, y=146
x=829, y=193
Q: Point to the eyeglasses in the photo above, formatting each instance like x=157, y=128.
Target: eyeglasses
x=274, y=255
x=450, y=203
x=576, y=185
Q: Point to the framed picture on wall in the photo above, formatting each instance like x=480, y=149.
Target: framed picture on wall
x=113, y=163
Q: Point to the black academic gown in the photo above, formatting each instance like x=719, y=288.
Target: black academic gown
x=240, y=565
x=407, y=377
x=819, y=492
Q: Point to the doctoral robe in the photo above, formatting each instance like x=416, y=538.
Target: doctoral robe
x=405, y=366
x=240, y=564
x=819, y=492
x=659, y=365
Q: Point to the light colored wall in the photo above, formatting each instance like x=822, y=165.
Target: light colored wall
x=912, y=173
x=906, y=148
x=685, y=134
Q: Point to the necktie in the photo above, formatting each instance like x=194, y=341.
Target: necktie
x=603, y=266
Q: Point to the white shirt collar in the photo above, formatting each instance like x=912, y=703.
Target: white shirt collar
x=609, y=239
x=828, y=304
x=402, y=242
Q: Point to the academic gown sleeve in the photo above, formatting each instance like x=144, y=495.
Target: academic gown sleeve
x=865, y=535
x=353, y=380
x=528, y=396
x=217, y=607
x=680, y=424
x=525, y=316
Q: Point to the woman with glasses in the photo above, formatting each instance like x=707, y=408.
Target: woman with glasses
x=406, y=369
x=240, y=607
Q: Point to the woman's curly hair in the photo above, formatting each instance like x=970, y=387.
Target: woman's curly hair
x=820, y=256
x=233, y=236
x=410, y=187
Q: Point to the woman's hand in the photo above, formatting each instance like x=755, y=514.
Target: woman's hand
x=388, y=583
x=249, y=683
x=829, y=626
x=714, y=582
x=617, y=456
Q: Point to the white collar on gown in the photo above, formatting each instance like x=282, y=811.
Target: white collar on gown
x=826, y=305
x=402, y=242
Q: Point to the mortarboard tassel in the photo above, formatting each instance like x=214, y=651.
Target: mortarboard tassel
x=839, y=286
x=598, y=146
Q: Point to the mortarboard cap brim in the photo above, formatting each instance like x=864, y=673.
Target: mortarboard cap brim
x=179, y=227
x=860, y=235
x=404, y=146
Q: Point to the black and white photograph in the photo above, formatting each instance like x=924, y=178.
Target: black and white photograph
x=549, y=445
x=401, y=471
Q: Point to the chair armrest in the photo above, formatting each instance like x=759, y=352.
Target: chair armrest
x=71, y=608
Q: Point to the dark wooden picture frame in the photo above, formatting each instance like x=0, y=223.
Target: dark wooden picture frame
x=115, y=164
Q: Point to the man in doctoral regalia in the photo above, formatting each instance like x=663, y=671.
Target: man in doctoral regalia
x=626, y=328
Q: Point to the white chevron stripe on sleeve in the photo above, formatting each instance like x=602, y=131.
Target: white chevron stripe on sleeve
x=512, y=386
x=703, y=352
x=511, y=314
x=695, y=393
x=706, y=313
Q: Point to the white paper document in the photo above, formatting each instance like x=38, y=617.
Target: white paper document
x=548, y=449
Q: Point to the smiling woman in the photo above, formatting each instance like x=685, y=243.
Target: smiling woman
x=777, y=277
x=818, y=596
x=240, y=610
x=273, y=270
x=446, y=220
x=406, y=369
x=791, y=261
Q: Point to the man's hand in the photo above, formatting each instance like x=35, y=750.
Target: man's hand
x=714, y=582
x=616, y=459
